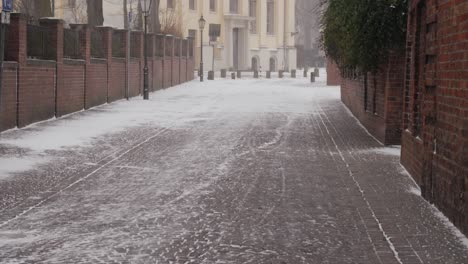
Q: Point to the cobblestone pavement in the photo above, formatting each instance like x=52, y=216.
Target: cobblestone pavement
x=266, y=172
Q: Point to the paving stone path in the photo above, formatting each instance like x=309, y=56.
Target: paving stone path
x=263, y=172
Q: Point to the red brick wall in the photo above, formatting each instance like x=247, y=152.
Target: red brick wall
x=167, y=72
x=36, y=92
x=435, y=145
x=381, y=112
x=136, y=78
x=158, y=73
x=8, y=96
x=96, y=83
x=183, y=70
x=70, y=87
x=117, y=80
x=333, y=74
x=190, y=69
x=175, y=71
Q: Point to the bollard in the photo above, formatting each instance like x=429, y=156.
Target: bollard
x=293, y=73
x=239, y=74
x=256, y=74
x=312, y=77
x=233, y=75
x=305, y=73
x=211, y=75
x=268, y=74
x=223, y=73
x=280, y=74
x=317, y=72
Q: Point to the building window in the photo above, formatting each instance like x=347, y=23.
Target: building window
x=253, y=14
x=213, y=5
x=170, y=3
x=192, y=4
x=192, y=33
x=270, y=17
x=234, y=6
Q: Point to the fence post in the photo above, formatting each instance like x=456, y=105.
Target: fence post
x=16, y=41
x=56, y=37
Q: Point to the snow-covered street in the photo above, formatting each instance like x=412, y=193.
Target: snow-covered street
x=226, y=171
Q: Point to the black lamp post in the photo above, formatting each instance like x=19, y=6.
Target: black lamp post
x=201, y=23
x=146, y=10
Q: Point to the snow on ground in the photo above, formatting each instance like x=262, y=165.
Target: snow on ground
x=167, y=108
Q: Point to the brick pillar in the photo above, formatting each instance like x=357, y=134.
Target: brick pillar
x=16, y=41
x=107, y=39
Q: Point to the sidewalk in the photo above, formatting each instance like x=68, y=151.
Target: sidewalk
x=230, y=171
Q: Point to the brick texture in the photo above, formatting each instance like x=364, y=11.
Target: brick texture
x=333, y=73
x=36, y=90
x=70, y=88
x=8, y=96
x=377, y=101
x=435, y=142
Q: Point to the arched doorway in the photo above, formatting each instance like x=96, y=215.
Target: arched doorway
x=272, y=64
x=255, y=63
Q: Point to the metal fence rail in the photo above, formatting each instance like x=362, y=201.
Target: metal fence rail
x=118, y=47
x=159, y=46
x=149, y=44
x=71, y=44
x=97, y=45
x=169, y=44
x=135, y=45
x=39, y=43
x=184, y=47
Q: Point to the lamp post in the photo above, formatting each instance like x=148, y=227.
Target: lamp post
x=146, y=10
x=201, y=24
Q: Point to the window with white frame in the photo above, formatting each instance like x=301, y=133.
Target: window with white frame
x=271, y=17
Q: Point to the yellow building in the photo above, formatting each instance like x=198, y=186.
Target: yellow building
x=255, y=34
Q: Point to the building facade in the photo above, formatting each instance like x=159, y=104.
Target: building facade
x=255, y=34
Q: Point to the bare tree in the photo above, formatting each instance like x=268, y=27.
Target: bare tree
x=95, y=12
x=138, y=25
x=78, y=12
x=171, y=22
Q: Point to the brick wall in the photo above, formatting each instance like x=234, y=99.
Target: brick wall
x=70, y=87
x=167, y=72
x=36, y=92
x=377, y=101
x=435, y=141
x=37, y=89
x=136, y=78
x=117, y=80
x=333, y=73
x=158, y=73
x=96, y=83
x=183, y=70
x=8, y=96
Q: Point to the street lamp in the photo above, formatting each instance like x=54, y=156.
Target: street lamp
x=146, y=10
x=201, y=24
